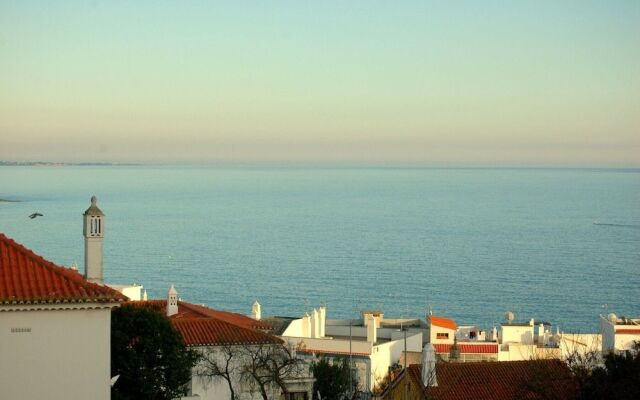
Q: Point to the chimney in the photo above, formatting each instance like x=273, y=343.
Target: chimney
x=323, y=320
x=541, y=334
x=372, y=330
x=306, y=325
x=93, y=232
x=256, y=311
x=172, y=301
x=315, y=324
x=429, y=366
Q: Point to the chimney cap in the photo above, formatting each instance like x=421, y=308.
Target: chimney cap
x=93, y=209
x=172, y=290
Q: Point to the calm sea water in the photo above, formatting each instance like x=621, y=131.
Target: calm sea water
x=471, y=243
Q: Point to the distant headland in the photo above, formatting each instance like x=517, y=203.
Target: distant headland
x=59, y=164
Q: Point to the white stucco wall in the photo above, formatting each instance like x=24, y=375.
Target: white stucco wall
x=203, y=387
x=579, y=343
x=55, y=354
x=433, y=334
x=516, y=334
x=386, y=354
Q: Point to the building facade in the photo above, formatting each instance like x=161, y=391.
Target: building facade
x=55, y=329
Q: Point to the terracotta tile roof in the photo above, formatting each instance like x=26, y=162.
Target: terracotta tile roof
x=203, y=326
x=188, y=310
x=499, y=380
x=468, y=348
x=442, y=322
x=627, y=331
x=26, y=277
x=215, y=332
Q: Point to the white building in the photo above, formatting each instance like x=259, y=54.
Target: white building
x=619, y=333
x=55, y=329
x=514, y=341
x=373, y=343
x=220, y=334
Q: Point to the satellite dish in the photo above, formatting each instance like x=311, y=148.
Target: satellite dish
x=509, y=316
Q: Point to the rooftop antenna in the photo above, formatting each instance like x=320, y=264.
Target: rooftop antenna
x=356, y=309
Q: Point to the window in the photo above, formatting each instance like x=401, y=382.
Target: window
x=442, y=335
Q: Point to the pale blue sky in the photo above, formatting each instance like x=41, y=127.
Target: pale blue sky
x=499, y=83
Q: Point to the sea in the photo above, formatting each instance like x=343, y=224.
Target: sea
x=559, y=245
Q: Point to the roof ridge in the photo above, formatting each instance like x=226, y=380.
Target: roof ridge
x=194, y=307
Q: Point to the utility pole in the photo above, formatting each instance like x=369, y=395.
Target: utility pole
x=406, y=373
x=350, y=362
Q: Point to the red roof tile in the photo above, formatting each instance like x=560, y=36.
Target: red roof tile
x=26, y=277
x=498, y=380
x=215, y=332
x=443, y=322
x=188, y=310
x=203, y=326
x=628, y=331
x=468, y=348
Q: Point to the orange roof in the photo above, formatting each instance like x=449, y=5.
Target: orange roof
x=498, y=380
x=468, y=348
x=443, y=322
x=203, y=326
x=628, y=331
x=188, y=310
x=215, y=332
x=26, y=277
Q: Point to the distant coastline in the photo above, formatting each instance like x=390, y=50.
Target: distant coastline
x=59, y=164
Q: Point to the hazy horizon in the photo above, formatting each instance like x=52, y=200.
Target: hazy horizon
x=412, y=83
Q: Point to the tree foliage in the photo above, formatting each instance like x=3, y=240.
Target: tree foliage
x=261, y=367
x=332, y=379
x=148, y=354
x=618, y=378
x=221, y=362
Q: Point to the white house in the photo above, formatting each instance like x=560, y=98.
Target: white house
x=55, y=328
x=514, y=341
x=619, y=333
x=229, y=340
x=372, y=343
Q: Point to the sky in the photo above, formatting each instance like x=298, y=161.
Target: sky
x=540, y=83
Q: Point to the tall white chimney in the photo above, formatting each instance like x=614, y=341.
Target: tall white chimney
x=172, y=301
x=323, y=320
x=541, y=334
x=93, y=232
x=429, y=378
x=372, y=330
x=256, y=311
x=306, y=325
x=315, y=324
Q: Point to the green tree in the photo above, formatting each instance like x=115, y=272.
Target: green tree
x=332, y=379
x=148, y=354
